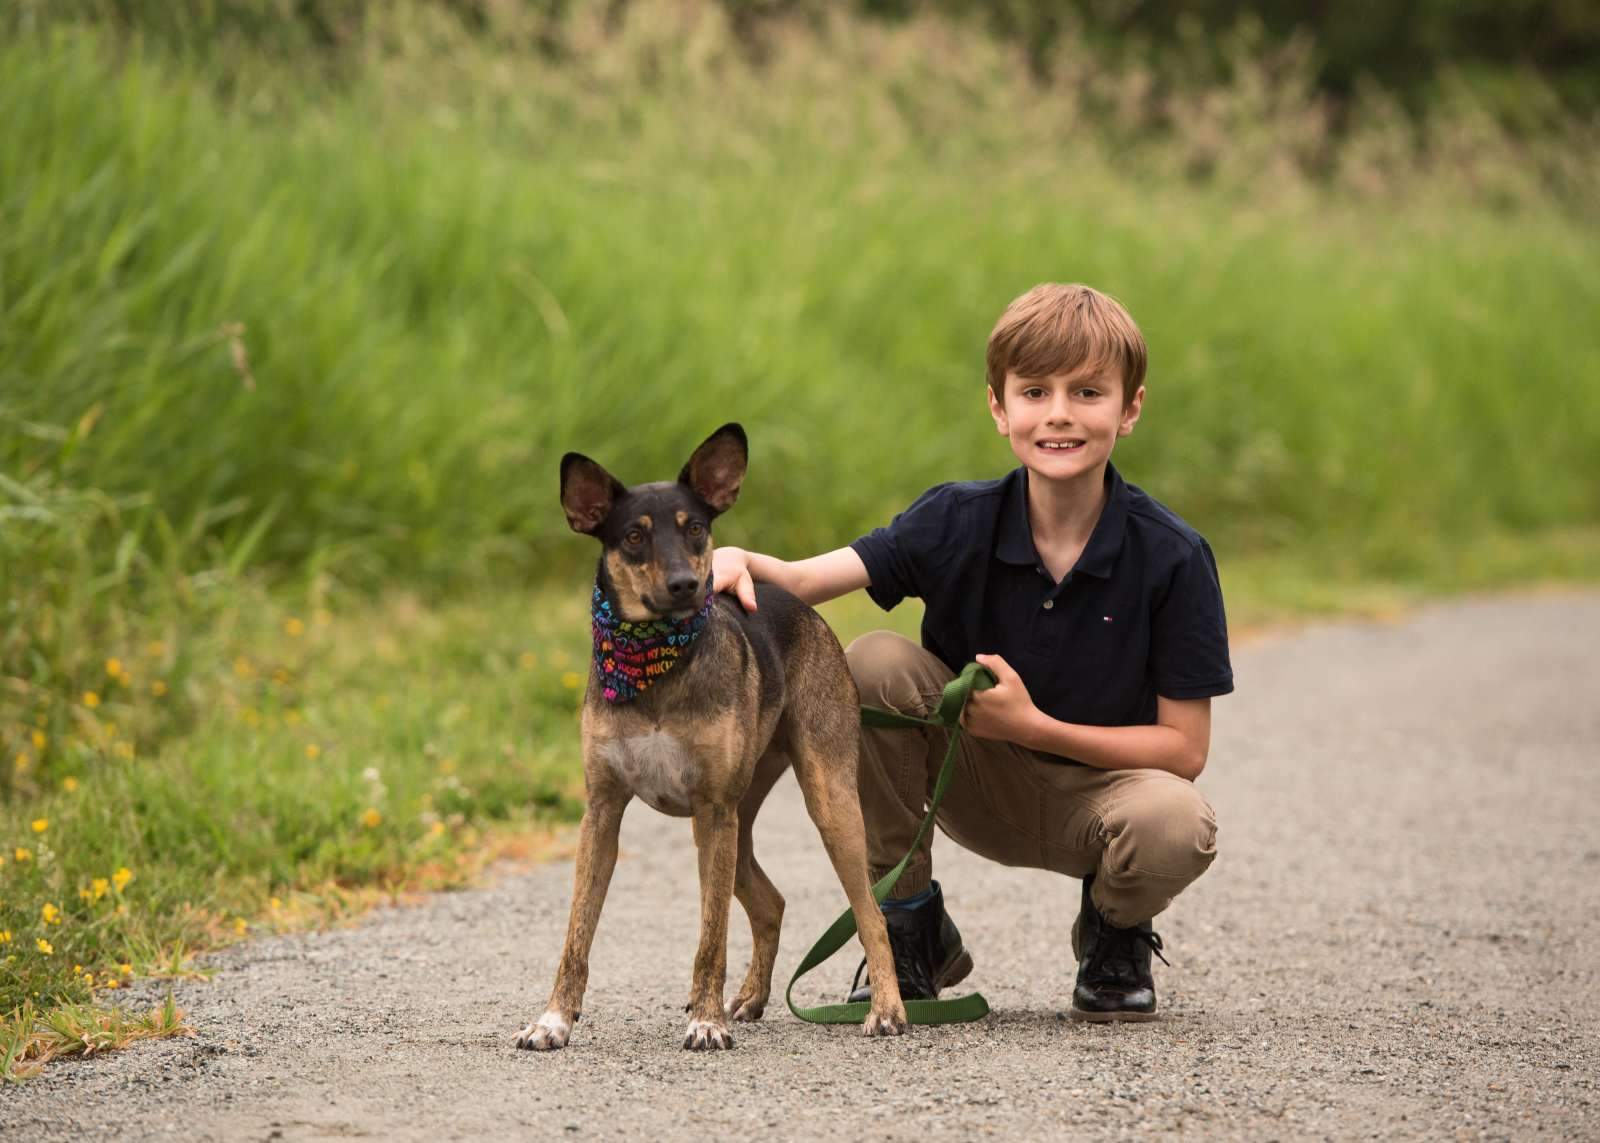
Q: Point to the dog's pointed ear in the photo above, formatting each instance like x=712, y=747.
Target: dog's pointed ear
x=587, y=492
x=716, y=469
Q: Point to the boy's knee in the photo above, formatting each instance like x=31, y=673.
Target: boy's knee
x=1164, y=827
x=884, y=666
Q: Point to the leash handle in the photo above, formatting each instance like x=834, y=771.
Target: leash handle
x=964, y=1008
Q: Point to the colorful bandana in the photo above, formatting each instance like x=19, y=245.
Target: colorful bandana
x=631, y=656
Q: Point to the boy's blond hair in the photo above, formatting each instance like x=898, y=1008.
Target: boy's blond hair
x=1055, y=328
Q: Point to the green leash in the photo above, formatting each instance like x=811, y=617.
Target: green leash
x=962, y=1009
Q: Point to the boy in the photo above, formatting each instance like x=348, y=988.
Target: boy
x=1099, y=612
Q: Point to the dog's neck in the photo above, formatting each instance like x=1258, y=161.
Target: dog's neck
x=631, y=656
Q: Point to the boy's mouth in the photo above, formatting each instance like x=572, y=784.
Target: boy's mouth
x=1061, y=446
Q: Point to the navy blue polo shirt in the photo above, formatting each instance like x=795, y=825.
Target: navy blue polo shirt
x=1140, y=614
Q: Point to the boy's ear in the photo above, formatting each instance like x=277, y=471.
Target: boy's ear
x=716, y=469
x=587, y=492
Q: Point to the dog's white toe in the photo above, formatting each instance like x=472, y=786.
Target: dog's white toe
x=549, y=1033
x=706, y=1035
x=891, y=1025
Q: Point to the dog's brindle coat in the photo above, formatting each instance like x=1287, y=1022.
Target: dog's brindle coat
x=756, y=693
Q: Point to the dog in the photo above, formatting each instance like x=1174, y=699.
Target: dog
x=741, y=698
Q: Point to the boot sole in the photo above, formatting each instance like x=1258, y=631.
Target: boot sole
x=1111, y=1017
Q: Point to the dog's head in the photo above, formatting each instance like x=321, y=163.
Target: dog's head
x=657, y=537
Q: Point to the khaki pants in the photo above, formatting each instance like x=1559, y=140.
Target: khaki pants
x=1143, y=834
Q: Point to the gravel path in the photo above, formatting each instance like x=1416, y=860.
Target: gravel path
x=1397, y=939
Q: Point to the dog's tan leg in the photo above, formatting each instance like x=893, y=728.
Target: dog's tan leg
x=716, y=836
x=762, y=902
x=827, y=778
x=597, y=857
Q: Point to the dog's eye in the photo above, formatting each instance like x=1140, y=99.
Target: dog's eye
x=696, y=530
x=634, y=536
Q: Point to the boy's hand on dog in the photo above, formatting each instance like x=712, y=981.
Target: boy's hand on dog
x=1005, y=711
x=730, y=568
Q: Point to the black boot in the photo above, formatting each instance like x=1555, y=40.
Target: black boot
x=1114, y=980
x=928, y=954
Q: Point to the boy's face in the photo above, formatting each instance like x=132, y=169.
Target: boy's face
x=1064, y=426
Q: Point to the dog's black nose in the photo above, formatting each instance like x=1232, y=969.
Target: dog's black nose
x=682, y=586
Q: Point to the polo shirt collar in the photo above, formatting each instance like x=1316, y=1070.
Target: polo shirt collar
x=1014, y=540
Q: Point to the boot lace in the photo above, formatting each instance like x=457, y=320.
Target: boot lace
x=1123, y=955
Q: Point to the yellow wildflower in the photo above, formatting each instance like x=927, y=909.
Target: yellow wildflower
x=274, y=904
x=49, y=914
x=85, y=895
x=155, y=648
x=23, y=761
x=313, y=751
x=113, y=983
x=436, y=829
x=158, y=688
x=121, y=878
x=447, y=766
x=5, y=936
x=527, y=660
x=77, y=970
x=241, y=926
x=70, y=785
x=40, y=739
x=126, y=969
x=371, y=818
x=293, y=627
x=45, y=946
x=40, y=824
x=88, y=979
x=570, y=680
x=23, y=853
x=113, y=667
x=98, y=887
x=292, y=717
x=90, y=699
x=244, y=668
x=123, y=750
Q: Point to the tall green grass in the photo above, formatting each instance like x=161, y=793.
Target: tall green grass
x=353, y=331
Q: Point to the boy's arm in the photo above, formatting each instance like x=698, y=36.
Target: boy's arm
x=1178, y=741
x=815, y=580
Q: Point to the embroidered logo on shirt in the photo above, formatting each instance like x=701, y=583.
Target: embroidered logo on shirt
x=1105, y=619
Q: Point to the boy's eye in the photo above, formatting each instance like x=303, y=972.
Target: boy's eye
x=1034, y=392
x=633, y=536
x=1088, y=391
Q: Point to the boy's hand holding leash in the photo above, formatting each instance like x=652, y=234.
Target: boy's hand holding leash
x=1005, y=711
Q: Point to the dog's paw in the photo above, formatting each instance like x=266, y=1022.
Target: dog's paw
x=746, y=1009
x=886, y=1024
x=706, y=1036
x=548, y=1034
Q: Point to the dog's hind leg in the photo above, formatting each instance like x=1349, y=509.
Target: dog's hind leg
x=825, y=744
x=762, y=902
x=597, y=857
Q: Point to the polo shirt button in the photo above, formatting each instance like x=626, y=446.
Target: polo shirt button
x=1049, y=603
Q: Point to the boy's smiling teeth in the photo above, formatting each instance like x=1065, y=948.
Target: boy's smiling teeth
x=1061, y=446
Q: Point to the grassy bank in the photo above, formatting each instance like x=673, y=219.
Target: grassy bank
x=287, y=362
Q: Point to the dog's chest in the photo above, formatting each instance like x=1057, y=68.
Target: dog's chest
x=657, y=766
